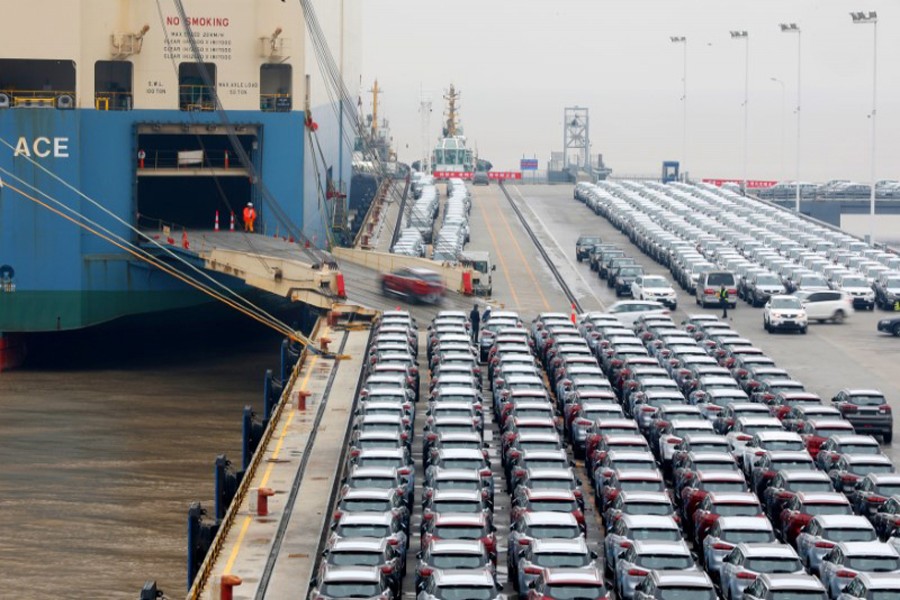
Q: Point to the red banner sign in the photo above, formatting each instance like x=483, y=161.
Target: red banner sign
x=504, y=175
x=752, y=184
x=452, y=174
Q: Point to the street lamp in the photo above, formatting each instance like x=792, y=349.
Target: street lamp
x=793, y=28
x=781, y=83
x=862, y=18
x=743, y=35
x=680, y=39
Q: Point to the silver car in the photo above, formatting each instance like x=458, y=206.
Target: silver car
x=769, y=587
x=872, y=585
x=631, y=528
x=728, y=532
x=549, y=553
x=747, y=561
x=824, y=532
x=842, y=564
x=636, y=562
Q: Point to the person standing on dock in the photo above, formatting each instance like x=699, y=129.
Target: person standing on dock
x=723, y=301
x=249, y=217
x=475, y=318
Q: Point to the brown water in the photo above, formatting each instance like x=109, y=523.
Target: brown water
x=105, y=441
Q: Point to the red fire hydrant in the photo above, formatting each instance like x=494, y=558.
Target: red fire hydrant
x=229, y=582
x=262, y=500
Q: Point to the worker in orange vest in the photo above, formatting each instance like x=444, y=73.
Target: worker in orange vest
x=249, y=217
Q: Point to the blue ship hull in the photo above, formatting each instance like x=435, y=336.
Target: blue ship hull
x=59, y=276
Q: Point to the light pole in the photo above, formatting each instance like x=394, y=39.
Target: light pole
x=793, y=28
x=781, y=83
x=743, y=35
x=680, y=39
x=861, y=18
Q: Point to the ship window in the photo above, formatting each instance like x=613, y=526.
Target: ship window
x=34, y=83
x=193, y=93
x=275, y=87
x=113, y=85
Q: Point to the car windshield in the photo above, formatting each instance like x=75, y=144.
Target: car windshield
x=861, y=449
x=654, y=533
x=573, y=592
x=724, y=486
x=813, y=281
x=457, y=507
x=867, y=400
x=884, y=595
x=685, y=593
x=447, y=532
x=641, y=486
x=466, y=592
x=457, y=561
x=785, y=303
x=811, y=486
x=350, y=589
x=719, y=279
x=873, y=563
x=380, y=462
x=784, y=445
x=793, y=465
x=630, y=465
x=773, y=565
x=666, y=561
x=552, y=559
x=839, y=534
x=553, y=505
x=567, y=532
x=827, y=509
x=768, y=280
x=866, y=469
x=378, y=444
x=853, y=282
x=736, y=510
x=458, y=484
x=649, y=508
x=534, y=445
x=750, y=536
x=377, y=531
x=379, y=483
x=366, y=505
x=356, y=559
x=462, y=463
x=656, y=282
x=796, y=595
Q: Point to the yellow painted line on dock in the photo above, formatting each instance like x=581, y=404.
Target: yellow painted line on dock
x=537, y=285
x=249, y=518
x=499, y=253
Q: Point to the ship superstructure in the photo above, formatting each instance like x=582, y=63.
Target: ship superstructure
x=451, y=154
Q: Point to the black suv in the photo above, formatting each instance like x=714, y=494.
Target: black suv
x=584, y=244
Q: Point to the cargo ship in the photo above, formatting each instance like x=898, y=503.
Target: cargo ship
x=113, y=112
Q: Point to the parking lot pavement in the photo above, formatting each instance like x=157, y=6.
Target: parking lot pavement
x=829, y=358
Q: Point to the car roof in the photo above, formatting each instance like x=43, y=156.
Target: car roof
x=753, y=523
x=880, y=581
x=660, y=547
x=457, y=546
x=733, y=497
x=779, y=435
x=823, y=497
x=640, y=496
x=549, y=518
x=775, y=549
x=452, y=577
x=559, y=575
x=796, y=581
x=875, y=459
x=867, y=549
x=550, y=545
x=690, y=577
x=654, y=521
x=335, y=573
x=844, y=521
x=354, y=544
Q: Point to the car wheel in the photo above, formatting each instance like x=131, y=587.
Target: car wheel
x=384, y=288
x=803, y=331
x=896, y=329
x=838, y=317
x=888, y=437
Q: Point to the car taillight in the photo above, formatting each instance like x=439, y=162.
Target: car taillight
x=524, y=542
x=714, y=407
x=722, y=546
x=746, y=575
x=648, y=409
x=533, y=570
x=488, y=542
x=743, y=437
x=849, y=477
x=673, y=440
x=387, y=569
x=393, y=541
x=876, y=499
x=625, y=544
x=845, y=574
x=638, y=572
x=824, y=545
x=425, y=571
x=848, y=408
x=885, y=408
x=337, y=515
x=709, y=291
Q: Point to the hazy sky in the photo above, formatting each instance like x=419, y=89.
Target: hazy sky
x=518, y=63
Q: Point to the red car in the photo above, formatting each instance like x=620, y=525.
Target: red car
x=415, y=284
x=707, y=482
x=815, y=431
x=800, y=510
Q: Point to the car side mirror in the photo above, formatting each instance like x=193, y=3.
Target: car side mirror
x=419, y=555
x=594, y=554
x=493, y=267
x=314, y=582
x=531, y=584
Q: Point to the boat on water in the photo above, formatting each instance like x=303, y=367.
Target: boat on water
x=109, y=118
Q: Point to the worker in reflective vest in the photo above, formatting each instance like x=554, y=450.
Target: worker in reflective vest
x=249, y=217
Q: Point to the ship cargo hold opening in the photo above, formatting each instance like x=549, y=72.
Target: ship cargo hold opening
x=186, y=173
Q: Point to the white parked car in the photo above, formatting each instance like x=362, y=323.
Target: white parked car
x=785, y=312
x=628, y=311
x=654, y=287
x=828, y=305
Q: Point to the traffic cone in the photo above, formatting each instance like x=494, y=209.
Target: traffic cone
x=216, y=227
x=573, y=313
x=231, y=227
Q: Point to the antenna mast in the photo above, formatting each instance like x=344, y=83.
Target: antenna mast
x=375, y=91
x=452, y=97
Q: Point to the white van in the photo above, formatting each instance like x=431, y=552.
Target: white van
x=708, y=286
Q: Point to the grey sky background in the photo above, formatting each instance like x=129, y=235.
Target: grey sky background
x=518, y=63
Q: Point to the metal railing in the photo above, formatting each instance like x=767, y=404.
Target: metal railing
x=196, y=97
x=275, y=102
x=45, y=98
x=175, y=159
x=113, y=100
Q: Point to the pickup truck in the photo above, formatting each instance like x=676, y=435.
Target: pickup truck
x=415, y=284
